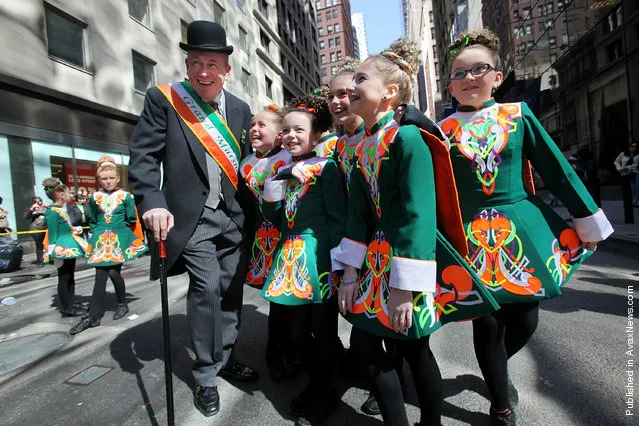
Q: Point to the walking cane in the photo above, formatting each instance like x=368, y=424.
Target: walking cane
x=168, y=374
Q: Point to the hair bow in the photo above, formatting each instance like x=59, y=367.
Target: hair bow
x=303, y=106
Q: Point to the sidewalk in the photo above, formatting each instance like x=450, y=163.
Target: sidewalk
x=29, y=270
x=614, y=211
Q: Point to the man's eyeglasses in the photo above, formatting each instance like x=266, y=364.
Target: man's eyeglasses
x=476, y=71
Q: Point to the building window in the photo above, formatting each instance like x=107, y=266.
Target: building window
x=526, y=12
x=318, y=5
x=437, y=85
x=243, y=39
x=336, y=28
x=329, y=29
x=321, y=44
x=263, y=5
x=335, y=13
x=529, y=29
x=319, y=18
x=338, y=41
x=324, y=72
x=432, y=32
x=218, y=13
x=328, y=15
x=322, y=59
x=332, y=56
x=320, y=31
x=436, y=69
x=430, y=16
x=240, y=4
x=333, y=70
x=268, y=84
x=331, y=42
x=552, y=42
x=143, y=75
x=553, y=58
x=264, y=40
x=65, y=37
x=246, y=82
x=339, y=55
x=139, y=10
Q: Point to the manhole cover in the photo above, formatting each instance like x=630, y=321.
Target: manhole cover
x=21, y=351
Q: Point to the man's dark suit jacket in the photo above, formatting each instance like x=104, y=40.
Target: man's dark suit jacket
x=162, y=138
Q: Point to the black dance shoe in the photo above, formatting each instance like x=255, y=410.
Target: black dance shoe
x=239, y=373
x=121, y=311
x=314, y=408
x=513, y=395
x=85, y=322
x=206, y=400
x=370, y=406
x=72, y=312
x=502, y=419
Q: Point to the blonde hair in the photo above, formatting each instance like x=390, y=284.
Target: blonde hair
x=52, y=186
x=107, y=162
x=398, y=65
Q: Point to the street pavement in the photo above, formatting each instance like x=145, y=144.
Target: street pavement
x=571, y=373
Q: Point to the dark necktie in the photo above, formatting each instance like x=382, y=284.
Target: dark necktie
x=213, y=105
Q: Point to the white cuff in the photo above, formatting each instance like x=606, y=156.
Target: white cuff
x=350, y=253
x=336, y=265
x=50, y=248
x=413, y=274
x=593, y=228
x=274, y=190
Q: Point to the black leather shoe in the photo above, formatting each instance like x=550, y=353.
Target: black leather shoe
x=121, y=311
x=84, y=323
x=370, y=406
x=72, y=312
x=239, y=373
x=206, y=400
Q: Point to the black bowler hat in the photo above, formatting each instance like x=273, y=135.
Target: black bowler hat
x=206, y=36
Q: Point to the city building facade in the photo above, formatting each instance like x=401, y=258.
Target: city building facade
x=360, y=36
x=336, y=40
x=73, y=77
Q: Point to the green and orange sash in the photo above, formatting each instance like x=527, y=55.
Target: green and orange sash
x=207, y=125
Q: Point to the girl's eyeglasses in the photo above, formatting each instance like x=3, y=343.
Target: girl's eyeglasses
x=476, y=71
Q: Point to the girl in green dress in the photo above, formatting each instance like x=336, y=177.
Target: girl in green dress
x=112, y=214
x=521, y=249
x=311, y=215
x=403, y=293
x=65, y=244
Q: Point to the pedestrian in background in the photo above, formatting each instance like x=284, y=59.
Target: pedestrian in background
x=627, y=164
x=4, y=219
x=79, y=214
x=35, y=214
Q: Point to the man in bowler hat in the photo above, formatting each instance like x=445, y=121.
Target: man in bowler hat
x=196, y=132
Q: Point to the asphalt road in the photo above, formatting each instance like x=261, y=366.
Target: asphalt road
x=573, y=371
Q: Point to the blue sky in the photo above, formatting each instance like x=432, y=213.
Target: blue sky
x=383, y=21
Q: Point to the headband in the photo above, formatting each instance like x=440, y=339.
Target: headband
x=462, y=42
x=394, y=57
x=107, y=164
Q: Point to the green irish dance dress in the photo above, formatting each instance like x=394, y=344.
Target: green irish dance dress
x=326, y=146
x=312, y=218
x=63, y=243
x=520, y=248
x=112, y=241
x=392, y=238
x=255, y=170
x=345, y=153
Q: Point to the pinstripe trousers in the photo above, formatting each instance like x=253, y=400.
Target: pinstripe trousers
x=213, y=257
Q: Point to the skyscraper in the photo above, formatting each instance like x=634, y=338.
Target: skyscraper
x=360, y=31
x=335, y=35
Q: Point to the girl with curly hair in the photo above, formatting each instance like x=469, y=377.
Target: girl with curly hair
x=112, y=214
x=311, y=214
x=521, y=249
x=65, y=244
x=403, y=293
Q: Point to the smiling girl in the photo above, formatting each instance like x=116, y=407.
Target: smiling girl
x=112, y=213
x=266, y=138
x=521, y=249
x=311, y=215
x=403, y=293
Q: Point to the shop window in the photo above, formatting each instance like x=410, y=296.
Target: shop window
x=139, y=10
x=143, y=72
x=65, y=37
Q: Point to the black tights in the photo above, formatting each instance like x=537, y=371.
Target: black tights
x=499, y=336
x=66, y=283
x=380, y=366
x=318, y=347
x=99, y=289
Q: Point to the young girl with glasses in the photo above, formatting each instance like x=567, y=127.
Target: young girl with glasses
x=522, y=250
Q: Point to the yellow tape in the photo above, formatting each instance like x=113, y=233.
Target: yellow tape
x=29, y=232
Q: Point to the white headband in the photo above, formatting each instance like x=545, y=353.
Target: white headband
x=107, y=163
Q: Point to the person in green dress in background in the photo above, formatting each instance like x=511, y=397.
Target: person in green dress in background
x=112, y=214
x=64, y=244
x=311, y=210
x=522, y=251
